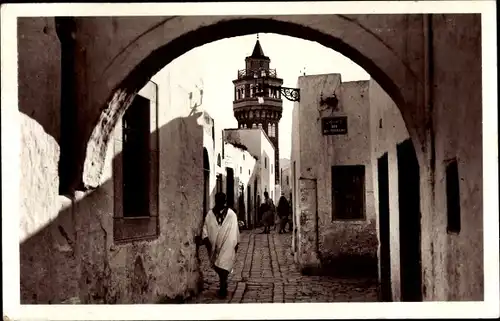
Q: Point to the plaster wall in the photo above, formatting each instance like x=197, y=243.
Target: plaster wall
x=337, y=239
x=79, y=260
x=387, y=129
x=453, y=263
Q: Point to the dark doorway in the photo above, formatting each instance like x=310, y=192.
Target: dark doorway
x=384, y=228
x=255, y=205
x=230, y=187
x=249, y=206
x=409, y=222
x=136, y=158
x=206, y=181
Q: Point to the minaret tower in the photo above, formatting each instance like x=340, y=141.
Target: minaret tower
x=255, y=104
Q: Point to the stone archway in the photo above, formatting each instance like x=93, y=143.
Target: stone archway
x=115, y=56
x=134, y=57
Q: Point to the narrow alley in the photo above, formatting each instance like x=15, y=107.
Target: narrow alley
x=265, y=272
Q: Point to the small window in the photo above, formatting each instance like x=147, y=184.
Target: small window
x=265, y=162
x=453, y=197
x=218, y=160
x=243, y=156
x=348, y=192
x=248, y=172
x=241, y=170
x=287, y=180
x=136, y=132
x=272, y=169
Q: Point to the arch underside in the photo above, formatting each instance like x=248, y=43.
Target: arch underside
x=360, y=44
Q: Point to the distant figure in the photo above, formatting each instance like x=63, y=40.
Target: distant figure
x=267, y=209
x=283, y=212
x=221, y=236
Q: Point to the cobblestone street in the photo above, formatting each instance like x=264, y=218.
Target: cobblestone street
x=266, y=273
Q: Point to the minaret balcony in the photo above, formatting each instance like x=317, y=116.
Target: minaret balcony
x=260, y=73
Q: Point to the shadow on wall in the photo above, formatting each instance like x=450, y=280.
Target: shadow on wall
x=351, y=253
x=74, y=258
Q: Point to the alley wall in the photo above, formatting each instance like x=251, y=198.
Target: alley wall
x=453, y=261
x=387, y=129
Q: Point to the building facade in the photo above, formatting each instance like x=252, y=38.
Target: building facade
x=335, y=170
x=260, y=146
x=255, y=105
x=236, y=176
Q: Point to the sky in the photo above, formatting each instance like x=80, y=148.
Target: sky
x=214, y=66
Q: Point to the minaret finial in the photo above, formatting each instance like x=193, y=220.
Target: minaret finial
x=257, y=36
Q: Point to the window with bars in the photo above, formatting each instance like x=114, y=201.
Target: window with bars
x=348, y=192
